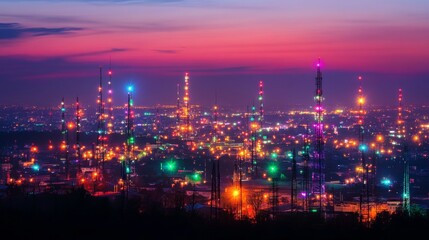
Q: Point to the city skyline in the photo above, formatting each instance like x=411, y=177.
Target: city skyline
x=51, y=49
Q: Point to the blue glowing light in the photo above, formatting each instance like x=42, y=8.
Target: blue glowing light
x=363, y=147
x=130, y=88
x=36, y=167
x=386, y=182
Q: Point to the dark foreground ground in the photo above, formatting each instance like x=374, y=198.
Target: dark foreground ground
x=80, y=216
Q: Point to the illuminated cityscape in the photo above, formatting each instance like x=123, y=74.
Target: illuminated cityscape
x=202, y=147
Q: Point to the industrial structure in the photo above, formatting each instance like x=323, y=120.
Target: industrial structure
x=110, y=116
x=402, y=136
x=65, y=141
x=318, y=174
x=100, y=148
x=78, y=126
x=364, y=204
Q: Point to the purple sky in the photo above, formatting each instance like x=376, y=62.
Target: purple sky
x=50, y=49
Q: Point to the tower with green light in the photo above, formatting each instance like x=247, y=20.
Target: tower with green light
x=126, y=164
x=406, y=203
x=274, y=172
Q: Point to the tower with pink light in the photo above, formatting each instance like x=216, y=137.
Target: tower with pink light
x=318, y=175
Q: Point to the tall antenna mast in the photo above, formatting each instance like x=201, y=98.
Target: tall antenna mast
x=187, y=107
x=318, y=177
x=215, y=120
x=100, y=129
x=178, y=107
x=362, y=150
x=261, y=103
x=306, y=170
x=130, y=137
x=110, y=127
x=406, y=203
x=294, y=183
x=65, y=141
x=253, y=129
x=401, y=125
x=78, y=153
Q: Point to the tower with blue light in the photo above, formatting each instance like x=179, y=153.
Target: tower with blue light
x=127, y=162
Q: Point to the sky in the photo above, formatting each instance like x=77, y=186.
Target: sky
x=51, y=49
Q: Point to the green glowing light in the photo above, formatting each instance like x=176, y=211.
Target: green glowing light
x=273, y=169
x=196, y=177
x=171, y=166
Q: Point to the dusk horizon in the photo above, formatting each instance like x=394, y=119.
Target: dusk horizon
x=51, y=49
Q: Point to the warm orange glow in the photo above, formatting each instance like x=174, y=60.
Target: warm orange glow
x=236, y=192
